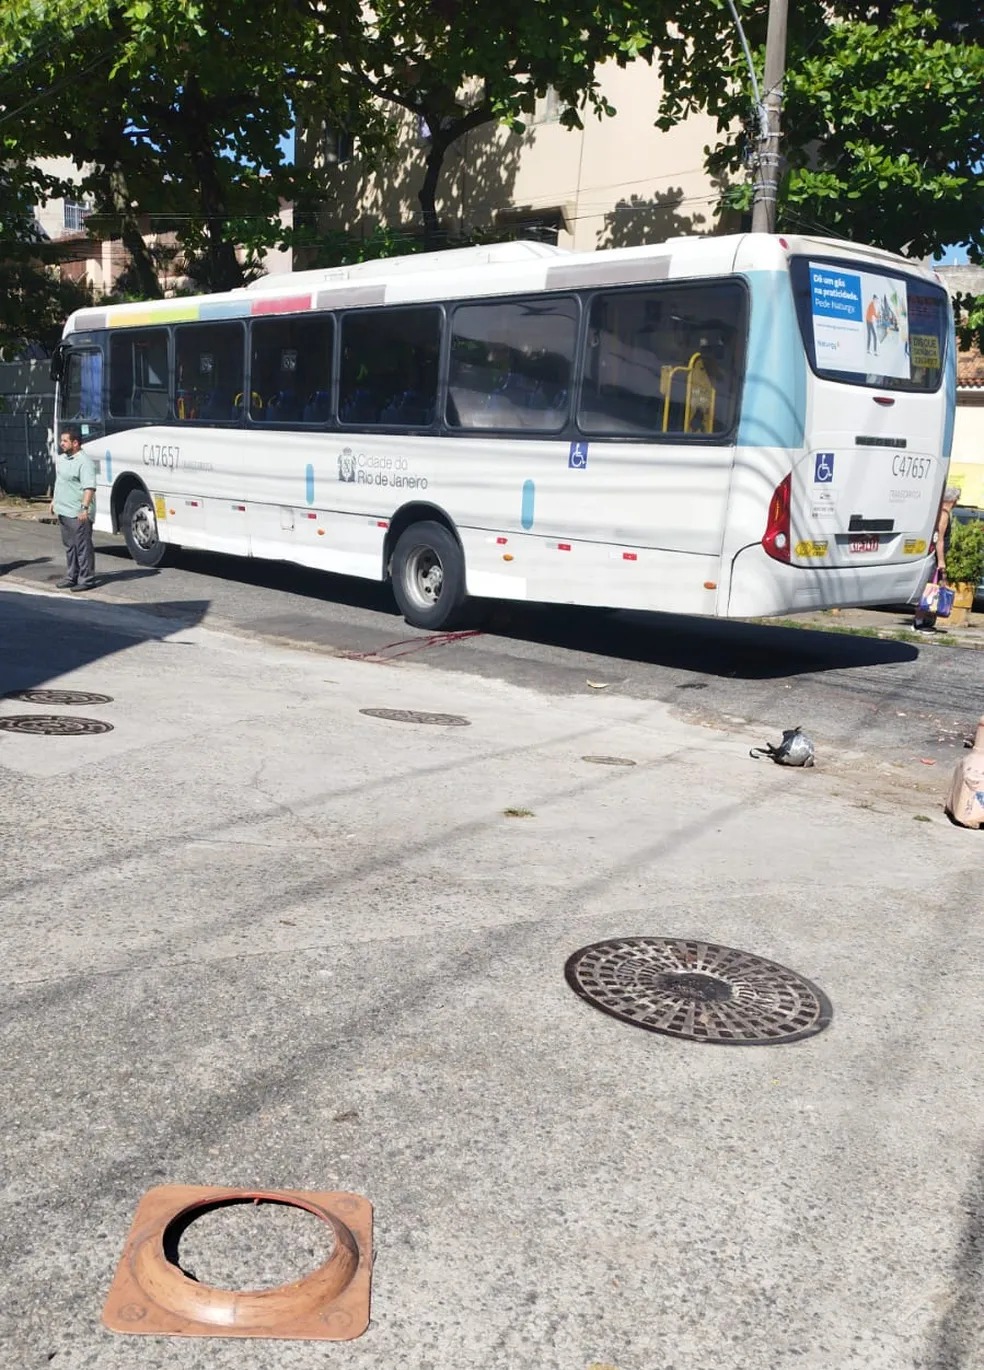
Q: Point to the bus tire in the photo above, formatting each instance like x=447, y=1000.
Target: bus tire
x=138, y=525
x=428, y=574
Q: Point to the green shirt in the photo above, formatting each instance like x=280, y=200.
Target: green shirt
x=72, y=476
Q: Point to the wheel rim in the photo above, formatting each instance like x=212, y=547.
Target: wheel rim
x=143, y=526
x=424, y=577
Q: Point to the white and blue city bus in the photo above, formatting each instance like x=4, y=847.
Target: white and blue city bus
x=733, y=426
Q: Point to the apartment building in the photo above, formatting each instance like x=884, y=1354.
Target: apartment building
x=618, y=181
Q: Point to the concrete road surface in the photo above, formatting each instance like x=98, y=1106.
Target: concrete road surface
x=252, y=936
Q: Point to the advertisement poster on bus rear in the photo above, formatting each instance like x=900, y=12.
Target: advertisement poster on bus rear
x=860, y=321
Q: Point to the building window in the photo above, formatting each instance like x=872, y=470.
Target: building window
x=74, y=215
x=339, y=146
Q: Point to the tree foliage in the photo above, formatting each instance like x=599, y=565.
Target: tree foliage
x=174, y=112
x=457, y=64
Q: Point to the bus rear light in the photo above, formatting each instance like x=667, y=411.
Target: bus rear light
x=630, y=556
x=775, y=540
x=502, y=541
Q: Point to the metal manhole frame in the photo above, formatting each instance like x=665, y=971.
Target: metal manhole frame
x=824, y=1008
x=418, y=716
x=52, y=725
x=71, y=697
x=150, y=1295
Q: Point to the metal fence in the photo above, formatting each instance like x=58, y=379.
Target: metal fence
x=26, y=466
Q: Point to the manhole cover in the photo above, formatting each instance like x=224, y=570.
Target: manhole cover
x=608, y=760
x=53, y=725
x=75, y=697
x=698, y=991
x=416, y=716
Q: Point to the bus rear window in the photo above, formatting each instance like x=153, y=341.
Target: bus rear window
x=870, y=326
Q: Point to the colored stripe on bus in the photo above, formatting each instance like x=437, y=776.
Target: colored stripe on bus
x=526, y=512
x=773, y=409
x=309, y=483
x=283, y=304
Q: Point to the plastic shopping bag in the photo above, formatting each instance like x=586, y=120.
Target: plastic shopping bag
x=930, y=599
x=945, y=601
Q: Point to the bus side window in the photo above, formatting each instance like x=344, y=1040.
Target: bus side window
x=290, y=370
x=209, y=369
x=389, y=366
x=138, y=374
x=511, y=364
x=664, y=360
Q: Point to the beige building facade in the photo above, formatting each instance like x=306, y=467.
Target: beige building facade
x=617, y=182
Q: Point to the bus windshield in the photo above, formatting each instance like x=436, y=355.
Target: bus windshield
x=870, y=326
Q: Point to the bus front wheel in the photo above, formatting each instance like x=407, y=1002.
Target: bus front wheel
x=139, y=528
x=428, y=573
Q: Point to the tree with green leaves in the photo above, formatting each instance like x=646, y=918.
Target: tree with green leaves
x=882, y=121
x=457, y=65
x=174, y=113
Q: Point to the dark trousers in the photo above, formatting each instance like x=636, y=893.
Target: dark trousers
x=76, y=535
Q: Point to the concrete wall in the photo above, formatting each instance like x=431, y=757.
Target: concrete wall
x=27, y=409
x=617, y=182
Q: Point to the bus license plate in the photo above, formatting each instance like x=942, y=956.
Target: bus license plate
x=869, y=543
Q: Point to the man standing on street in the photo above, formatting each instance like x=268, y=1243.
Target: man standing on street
x=74, y=502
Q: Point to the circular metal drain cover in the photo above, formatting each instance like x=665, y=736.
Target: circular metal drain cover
x=608, y=760
x=698, y=991
x=416, y=716
x=53, y=725
x=59, y=697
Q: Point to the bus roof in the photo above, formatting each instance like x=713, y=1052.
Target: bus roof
x=489, y=270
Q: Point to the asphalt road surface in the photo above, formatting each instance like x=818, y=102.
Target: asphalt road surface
x=897, y=701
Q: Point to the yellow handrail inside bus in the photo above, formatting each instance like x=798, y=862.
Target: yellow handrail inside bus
x=699, y=396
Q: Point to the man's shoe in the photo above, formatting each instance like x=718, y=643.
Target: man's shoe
x=84, y=585
x=65, y=584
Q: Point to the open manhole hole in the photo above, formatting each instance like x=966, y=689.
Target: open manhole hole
x=53, y=725
x=243, y=1244
x=75, y=697
x=608, y=760
x=418, y=716
x=698, y=991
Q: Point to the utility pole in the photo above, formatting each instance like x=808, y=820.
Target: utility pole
x=767, y=171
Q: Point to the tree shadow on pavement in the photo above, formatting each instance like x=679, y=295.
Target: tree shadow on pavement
x=6, y=567
x=46, y=637
x=956, y=1341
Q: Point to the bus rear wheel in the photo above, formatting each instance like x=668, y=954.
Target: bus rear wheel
x=139, y=528
x=428, y=573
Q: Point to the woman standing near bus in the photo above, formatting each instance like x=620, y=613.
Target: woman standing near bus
x=923, y=621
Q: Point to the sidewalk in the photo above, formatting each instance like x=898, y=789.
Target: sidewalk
x=887, y=621
x=260, y=938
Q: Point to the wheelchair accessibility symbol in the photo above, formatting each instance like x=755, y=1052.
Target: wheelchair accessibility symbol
x=823, y=471
x=577, y=457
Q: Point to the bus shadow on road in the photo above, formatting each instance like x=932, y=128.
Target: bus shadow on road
x=715, y=647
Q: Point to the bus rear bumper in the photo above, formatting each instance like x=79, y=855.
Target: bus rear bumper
x=761, y=587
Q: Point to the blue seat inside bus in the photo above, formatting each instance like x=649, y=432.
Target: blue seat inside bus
x=318, y=407
x=284, y=407
x=410, y=407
